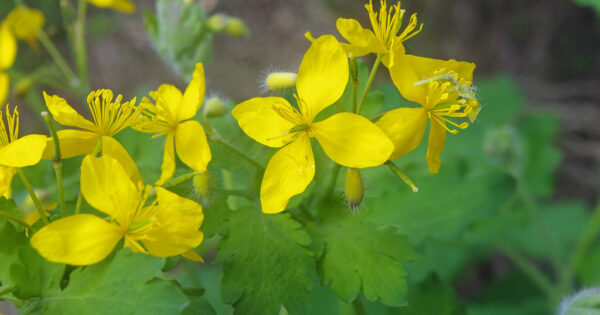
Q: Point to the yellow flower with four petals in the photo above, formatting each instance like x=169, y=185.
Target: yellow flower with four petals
x=171, y=116
x=443, y=89
x=167, y=226
x=348, y=139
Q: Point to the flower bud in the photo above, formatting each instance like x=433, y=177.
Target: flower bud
x=201, y=184
x=280, y=81
x=215, y=107
x=22, y=87
x=354, y=189
x=217, y=22
x=235, y=27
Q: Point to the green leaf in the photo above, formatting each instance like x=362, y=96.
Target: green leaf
x=432, y=289
x=125, y=284
x=445, y=204
x=265, y=264
x=179, y=35
x=501, y=100
x=198, y=305
x=354, y=254
x=586, y=302
x=34, y=276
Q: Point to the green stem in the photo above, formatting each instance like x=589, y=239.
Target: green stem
x=236, y=192
x=589, y=235
x=180, y=179
x=369, y=82
x=56, y=163
x=80, y=44
x=402, y=176
x=58, y=58
x=337, y=104
x=217, y=138
x=15, y=219
x=79, y=202
x=67, y=12
x=34, y=198
x=359, y=307
x=530, y=270
x=333, y=179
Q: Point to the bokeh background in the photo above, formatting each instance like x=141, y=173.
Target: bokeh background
x=546, y=52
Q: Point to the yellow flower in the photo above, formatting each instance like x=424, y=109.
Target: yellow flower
x=25, y=23
x=109, y=118
x=16, y=152
x=348, y=139
x=386, y=25
x=165, y=227
x=8, y=52
x=172, y=116
x=443, y=89
x=125, y=6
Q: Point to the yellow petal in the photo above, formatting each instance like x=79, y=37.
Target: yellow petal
x=107, y=187
x=167, y=169
x=364, y=40
x=64, y=114
x=32, y=217
x=72, y=143
x=6, y=176
x=192, y=146
x=8, y=44
x=437, y=141
x=405, y=127
x=125, y=6
x=322, y=76
x=192, y=255
x=404, y=76
x=82, y=239
x=112, y=147
x=424, y=67
x=193, y=95
x=4, y=87
x=352, y=140
x=180, y=220
x=25, y=151
x=288, y=173
x=168, y=97
x=25, y=22
x=261, y=119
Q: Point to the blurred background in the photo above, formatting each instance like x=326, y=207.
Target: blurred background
x=534, y=59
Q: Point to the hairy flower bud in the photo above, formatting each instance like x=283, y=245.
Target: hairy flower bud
x=201, y=184
x=215, y=107
x=235, y=27
x=280, y=81
x=354, y=189
x=217, y=22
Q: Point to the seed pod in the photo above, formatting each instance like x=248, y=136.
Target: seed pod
x=280, y=81
x=354, y=189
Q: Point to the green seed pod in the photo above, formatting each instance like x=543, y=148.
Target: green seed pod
x=215, y=107
x=354, y=188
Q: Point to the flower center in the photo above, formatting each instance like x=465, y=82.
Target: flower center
x=9, y=132
x=387, y=24
x=111, y=117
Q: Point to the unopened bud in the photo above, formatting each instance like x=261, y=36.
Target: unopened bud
x=201, y=183
x=217, y=22
x=354, y=189
x=280, y=81
x=215, y=107
x=22, y=87
x=235, y=27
